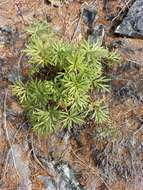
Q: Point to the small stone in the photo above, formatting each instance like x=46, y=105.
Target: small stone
x=54, y=3
x=8, y=34
x=7, y=29
x=48, y=18
x=88, y=15
x=96, y=34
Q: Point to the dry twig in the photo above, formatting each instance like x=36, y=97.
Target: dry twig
x=122, y=10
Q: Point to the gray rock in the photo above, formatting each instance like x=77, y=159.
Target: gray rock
x=67, y=174
x=88, y=15
x=63, y=176
x=97, y=34
x=8, y=34
x=132, y=24
x=48, y=182
x=56, y=181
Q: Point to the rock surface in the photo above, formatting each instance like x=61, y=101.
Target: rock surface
x=21, y=165
x=132, y=24
x=49, y=183
x=67, y=175
x=63, y=176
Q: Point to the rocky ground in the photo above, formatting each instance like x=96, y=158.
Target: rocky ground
x=86, y=157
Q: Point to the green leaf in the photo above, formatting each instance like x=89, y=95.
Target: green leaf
x=99, y=111
x=71, y=117
x=37, y=28
x=93, y=51
x=76, y=62
x=44, y=121
x=101, y=84
x=20, y=91
x=63, y=78
x=58, y=53
x=113, y=58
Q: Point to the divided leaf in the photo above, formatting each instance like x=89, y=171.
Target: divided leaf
x=63, y=79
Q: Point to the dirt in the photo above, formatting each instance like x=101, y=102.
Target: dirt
x=87, y=154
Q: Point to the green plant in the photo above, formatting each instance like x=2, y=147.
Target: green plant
x=63, y=78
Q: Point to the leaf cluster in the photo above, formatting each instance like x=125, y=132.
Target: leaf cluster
x=72, y=73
